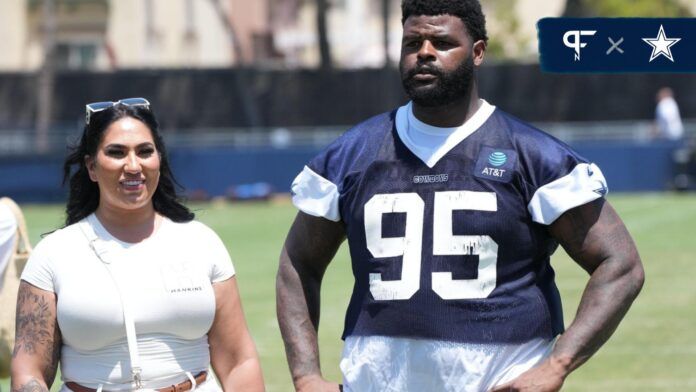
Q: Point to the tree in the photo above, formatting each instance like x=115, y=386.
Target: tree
x=46, y=77
x=322, y=34
x=385, y=31
x=510, y=41
x=626, y=8
x=251, y=111
x=576, y=9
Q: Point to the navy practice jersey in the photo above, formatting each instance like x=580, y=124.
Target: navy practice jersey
x=452, y=245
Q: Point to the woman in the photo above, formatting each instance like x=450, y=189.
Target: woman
x=132, y=293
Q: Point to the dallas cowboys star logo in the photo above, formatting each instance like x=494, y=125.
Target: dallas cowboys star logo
x=661, y=45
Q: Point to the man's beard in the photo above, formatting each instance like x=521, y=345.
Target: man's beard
x=448, y=87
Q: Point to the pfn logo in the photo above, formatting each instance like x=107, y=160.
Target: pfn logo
x=576, y=42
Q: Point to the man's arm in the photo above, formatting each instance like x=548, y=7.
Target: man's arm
x=309, y=248
x=596, y=238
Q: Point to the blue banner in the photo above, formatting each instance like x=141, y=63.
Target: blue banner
x=612, y=45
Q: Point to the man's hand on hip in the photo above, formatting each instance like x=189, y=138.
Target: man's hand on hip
x=316, y=384
x=547, y=377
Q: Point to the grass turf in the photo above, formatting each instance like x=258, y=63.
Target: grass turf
x=653, y=349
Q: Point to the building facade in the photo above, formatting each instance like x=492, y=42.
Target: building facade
x=105, y=35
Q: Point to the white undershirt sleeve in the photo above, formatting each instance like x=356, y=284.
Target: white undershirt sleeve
x=315, y=195
x=582, y=185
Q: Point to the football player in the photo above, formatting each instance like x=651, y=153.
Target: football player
x=452, y=209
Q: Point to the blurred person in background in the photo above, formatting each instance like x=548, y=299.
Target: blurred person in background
x=668, y=122
x=132, y=293
x=669, y=126
x=8, y=236
x=452, y=209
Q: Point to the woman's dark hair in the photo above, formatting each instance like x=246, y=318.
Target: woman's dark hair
x=83, y=197
x=469, y=11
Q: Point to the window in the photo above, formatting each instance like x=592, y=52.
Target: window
x=72, y=55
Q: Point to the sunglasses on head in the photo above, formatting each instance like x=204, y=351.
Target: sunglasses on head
x=95, y=107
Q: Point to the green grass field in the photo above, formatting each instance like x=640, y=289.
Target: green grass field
x=654, y=348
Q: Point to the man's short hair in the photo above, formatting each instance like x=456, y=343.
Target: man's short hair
x=469, y=11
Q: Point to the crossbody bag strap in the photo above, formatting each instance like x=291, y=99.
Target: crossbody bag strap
x=101, y=250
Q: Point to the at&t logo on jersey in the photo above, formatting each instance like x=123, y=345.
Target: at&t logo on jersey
x=495, y=164
x=497, y=158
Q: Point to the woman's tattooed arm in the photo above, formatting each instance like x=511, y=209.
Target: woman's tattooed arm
x=38, y=340
x=31, y=386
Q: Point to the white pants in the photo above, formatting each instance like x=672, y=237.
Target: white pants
x=379, y=363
